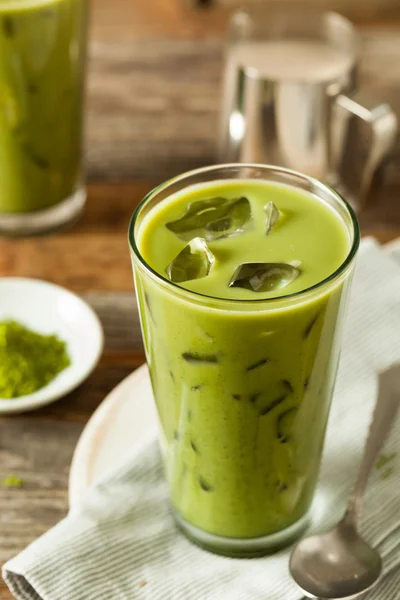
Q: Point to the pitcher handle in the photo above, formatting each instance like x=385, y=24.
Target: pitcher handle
x=383, y=124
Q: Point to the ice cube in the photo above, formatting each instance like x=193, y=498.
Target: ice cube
x=198, y=214
x=273, y=215
x=193, y=262
x=212, y=218
x=264, y=277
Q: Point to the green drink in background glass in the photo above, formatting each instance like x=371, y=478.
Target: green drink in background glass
x=42, y=64
x=242, y=275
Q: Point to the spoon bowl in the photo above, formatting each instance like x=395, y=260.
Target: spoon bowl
x=337, y=564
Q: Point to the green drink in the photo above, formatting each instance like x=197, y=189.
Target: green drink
x=42, y=59
x=242, y=281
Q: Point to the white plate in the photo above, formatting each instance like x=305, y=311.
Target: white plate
x=47, y=309
x=125, y=418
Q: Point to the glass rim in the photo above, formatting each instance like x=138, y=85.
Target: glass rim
x=290, y=15
x=346, y=263
x=331, y=16
x=286, y=19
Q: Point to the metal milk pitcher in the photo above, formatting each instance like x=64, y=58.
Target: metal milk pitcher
x=290, y=95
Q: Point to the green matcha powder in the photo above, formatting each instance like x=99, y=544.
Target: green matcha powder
x=28, y=360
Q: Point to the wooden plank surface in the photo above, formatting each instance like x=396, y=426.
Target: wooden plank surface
x=359, y=11
x=152, y=110
x=180, y=19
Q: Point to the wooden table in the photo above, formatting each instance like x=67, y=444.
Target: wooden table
x=153, y=98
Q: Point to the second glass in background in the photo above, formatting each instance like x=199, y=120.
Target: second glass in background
x=42, y=68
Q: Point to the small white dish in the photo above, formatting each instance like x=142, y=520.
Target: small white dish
x=50, y=309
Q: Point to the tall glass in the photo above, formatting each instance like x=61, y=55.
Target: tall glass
x=240, y=484
x=42, y=66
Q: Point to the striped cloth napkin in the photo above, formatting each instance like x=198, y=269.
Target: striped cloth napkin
x=121, y=542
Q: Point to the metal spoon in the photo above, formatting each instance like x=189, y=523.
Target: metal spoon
x=339, y=563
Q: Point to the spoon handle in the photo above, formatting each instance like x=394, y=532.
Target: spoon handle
x=386, y=407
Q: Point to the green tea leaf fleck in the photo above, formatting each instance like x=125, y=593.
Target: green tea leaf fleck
x=285, y=424
x=288, y=386
x=8, y=26
x=267, y=409
x=194, y=447
x=310, y=326
x=204, y=485
x=194, y=357
x=12, y=481
x=258, y=363
x=385, y=459
x=196, y=388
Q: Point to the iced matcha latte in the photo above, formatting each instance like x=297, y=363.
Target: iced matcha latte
x=42, y=58
x=242, y=276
